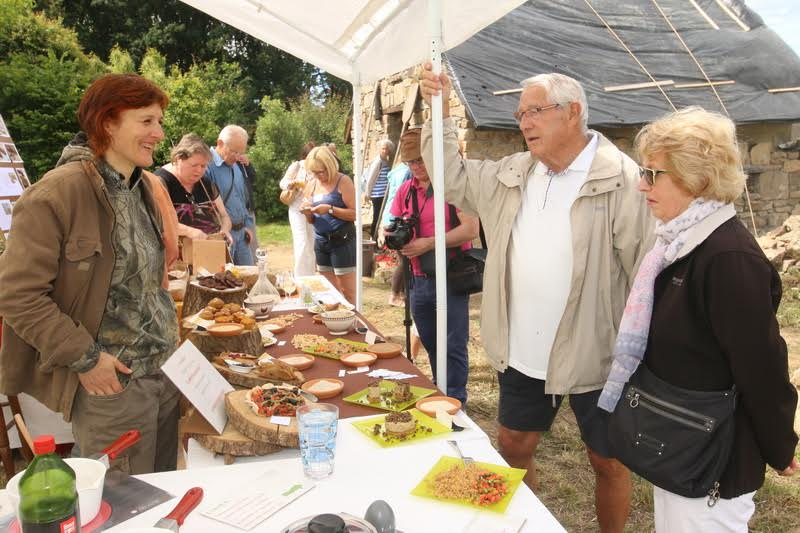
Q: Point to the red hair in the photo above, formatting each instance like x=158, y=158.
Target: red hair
x=110, y=95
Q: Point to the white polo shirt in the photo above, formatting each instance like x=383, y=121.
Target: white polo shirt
x=540, y=262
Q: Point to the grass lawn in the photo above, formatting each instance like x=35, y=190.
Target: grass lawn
x=274, y=233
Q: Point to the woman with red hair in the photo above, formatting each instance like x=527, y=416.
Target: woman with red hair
x=87, y=322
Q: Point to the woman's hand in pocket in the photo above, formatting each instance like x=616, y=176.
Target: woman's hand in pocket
x=102, y=379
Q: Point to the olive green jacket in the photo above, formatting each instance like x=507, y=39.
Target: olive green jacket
x=611, y=230
x=54, y=280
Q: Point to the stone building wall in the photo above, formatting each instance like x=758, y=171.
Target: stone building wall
x=774, y=175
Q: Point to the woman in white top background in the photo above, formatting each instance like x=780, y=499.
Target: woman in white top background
x=291, y=186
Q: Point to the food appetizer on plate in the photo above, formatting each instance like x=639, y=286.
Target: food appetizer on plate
x=230, y=313
x=279, y=400
x=244, y=358
x=276, y=370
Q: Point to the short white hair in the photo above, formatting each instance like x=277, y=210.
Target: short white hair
x=386, y=142
x=562, y=90
x=229, y=132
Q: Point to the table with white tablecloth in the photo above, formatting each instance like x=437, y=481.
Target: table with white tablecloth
x=364, y=472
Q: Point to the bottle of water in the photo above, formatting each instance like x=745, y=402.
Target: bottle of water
x=48, y=498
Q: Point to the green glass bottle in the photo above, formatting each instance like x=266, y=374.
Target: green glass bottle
x=48, y=498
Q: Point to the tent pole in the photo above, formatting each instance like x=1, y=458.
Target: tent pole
x=357, y=182
x=435, y=33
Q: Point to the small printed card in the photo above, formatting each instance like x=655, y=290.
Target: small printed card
x=200, y=382
x=281, y=420
x=247, y=510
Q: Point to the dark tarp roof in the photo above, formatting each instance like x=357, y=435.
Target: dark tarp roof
x=566, y=36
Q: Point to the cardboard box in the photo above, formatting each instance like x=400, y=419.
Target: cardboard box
x=211, y=254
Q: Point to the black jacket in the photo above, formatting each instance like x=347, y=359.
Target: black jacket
x=714, y=326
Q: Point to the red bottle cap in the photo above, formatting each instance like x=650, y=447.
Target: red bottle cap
x=44, y=444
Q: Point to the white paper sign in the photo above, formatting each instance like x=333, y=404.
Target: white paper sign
x=266, y=496
x=202, y=385
x=10, y=184
x=280, y=420
x=370, y=337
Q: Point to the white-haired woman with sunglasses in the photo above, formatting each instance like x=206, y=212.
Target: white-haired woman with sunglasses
x=701, y=316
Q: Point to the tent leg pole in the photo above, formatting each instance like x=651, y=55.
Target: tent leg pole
x=357, y=183
x=435, y=32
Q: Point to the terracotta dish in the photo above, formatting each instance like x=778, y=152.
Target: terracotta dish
x=274, y=328
x=300, y=361
x=357, y=359
x=385, y=350
x=227, y=329
x=431, y=404
x=323, y=388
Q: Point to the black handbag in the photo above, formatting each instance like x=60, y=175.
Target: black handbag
x=678, y=439
x=464, y=268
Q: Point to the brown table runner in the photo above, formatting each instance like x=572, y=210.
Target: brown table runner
x=324, y=367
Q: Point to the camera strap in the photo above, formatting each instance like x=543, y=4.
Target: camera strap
x=415, y=209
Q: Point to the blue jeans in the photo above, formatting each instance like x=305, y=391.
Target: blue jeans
x=240, y=249
x=423, y=309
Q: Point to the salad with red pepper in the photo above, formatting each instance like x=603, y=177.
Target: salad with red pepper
x=490, y=488
x=269, y=400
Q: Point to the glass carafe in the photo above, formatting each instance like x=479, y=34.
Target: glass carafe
x=263, y=296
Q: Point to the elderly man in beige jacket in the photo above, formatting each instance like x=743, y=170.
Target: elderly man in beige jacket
x=565, y=228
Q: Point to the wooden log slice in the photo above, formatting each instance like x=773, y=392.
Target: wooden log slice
x=197, y=297
x=249, y=341
x=253, y=379
x=232, y=442
x=258, y=428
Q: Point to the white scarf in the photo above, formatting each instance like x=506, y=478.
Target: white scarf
x=634, y=328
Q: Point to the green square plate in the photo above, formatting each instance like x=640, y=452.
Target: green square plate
x=424, y=422
x=513, y=479
x=355, y=345
x=417, y=393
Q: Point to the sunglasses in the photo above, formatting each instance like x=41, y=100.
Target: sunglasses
x=649, y=175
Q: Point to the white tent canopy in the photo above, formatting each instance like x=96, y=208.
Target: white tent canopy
x=374, y=38
x=362, y=41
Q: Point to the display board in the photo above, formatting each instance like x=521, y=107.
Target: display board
x=13, y=179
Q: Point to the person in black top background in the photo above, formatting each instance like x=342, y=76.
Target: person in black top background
x=201, y=212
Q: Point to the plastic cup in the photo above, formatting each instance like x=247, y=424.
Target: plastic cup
x=317, y=424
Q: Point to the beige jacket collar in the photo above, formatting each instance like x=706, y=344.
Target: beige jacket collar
x=606, y=164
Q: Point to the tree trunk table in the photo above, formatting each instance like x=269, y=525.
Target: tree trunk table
x=197, y=297
x=249, y=341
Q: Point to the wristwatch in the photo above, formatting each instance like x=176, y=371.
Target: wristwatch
x=330, y=210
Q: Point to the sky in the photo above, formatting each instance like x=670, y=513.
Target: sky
x=782, y=16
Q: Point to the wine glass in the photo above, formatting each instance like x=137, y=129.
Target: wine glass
x=289, y=285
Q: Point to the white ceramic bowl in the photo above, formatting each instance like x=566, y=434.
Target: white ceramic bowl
x=339, y=320
x=89, y=478
x=261, y=305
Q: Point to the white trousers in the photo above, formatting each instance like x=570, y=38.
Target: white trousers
x=676, y=514
x=303, y=244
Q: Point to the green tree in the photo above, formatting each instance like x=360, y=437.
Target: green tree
x=42, y=75
x=187, y=36
x=203, y=99
x=281, y=132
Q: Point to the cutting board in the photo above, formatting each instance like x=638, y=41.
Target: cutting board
x=258, y=428
x=252, y=379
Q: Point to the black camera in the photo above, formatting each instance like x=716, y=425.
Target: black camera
x=400, y=232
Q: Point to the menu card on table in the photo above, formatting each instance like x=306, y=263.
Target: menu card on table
x=249, y=509
x=200, y=382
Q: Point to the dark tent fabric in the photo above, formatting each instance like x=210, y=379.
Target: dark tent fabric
x=566, y=36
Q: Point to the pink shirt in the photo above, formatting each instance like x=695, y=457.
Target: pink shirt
x=402, y=207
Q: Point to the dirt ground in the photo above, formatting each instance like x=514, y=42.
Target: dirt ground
x=566, y=479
